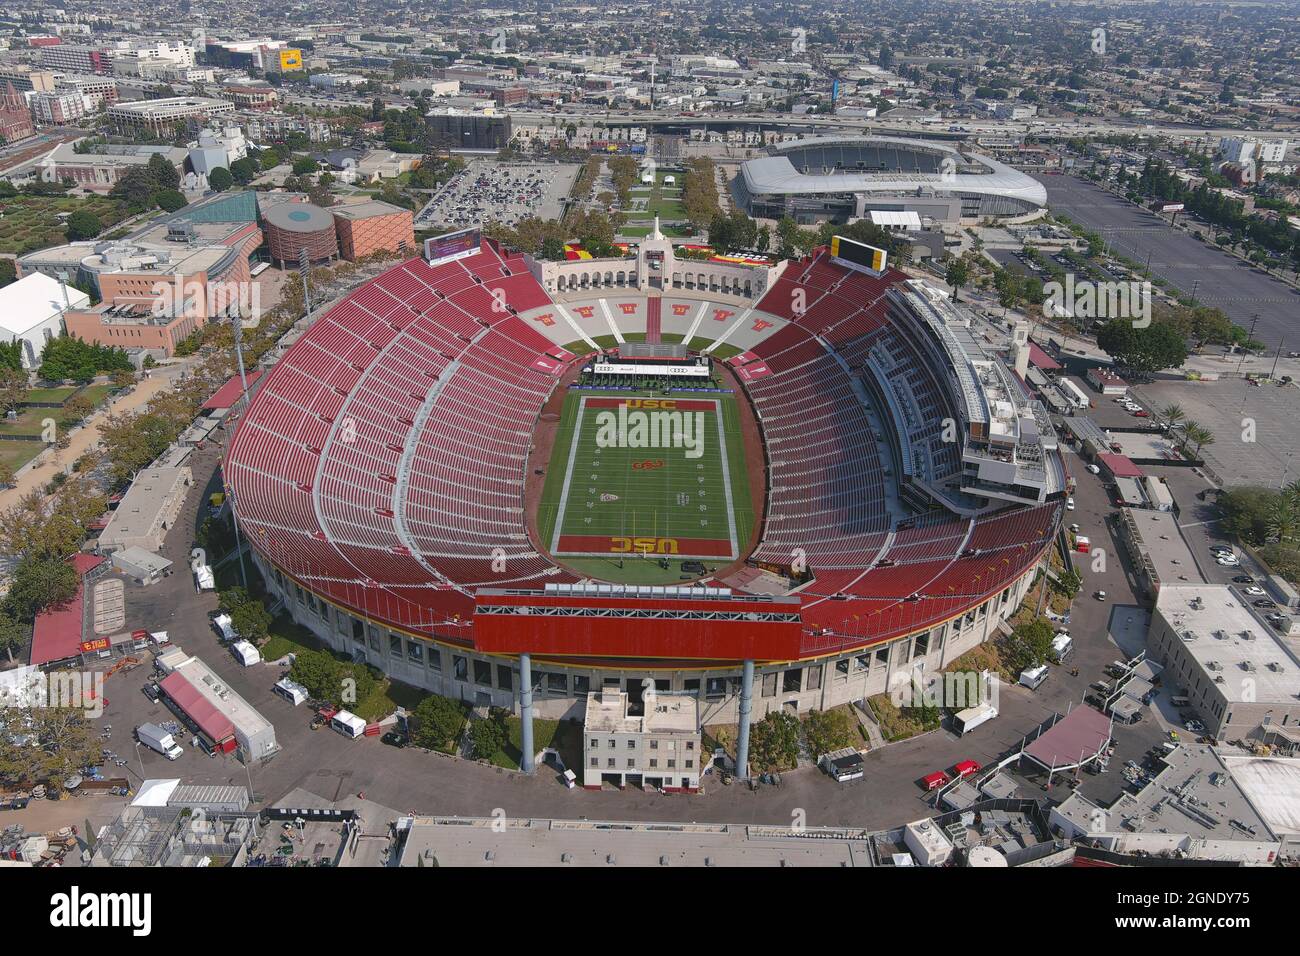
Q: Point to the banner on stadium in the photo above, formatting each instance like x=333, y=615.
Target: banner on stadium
x=451, y=246
x=684, y=371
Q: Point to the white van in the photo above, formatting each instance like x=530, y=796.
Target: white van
x=245, y=653
x=1032, y=677
x=204, y=579
x=291, y=691
x=349, y=725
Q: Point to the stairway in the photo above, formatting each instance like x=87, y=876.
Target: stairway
x=653, y=321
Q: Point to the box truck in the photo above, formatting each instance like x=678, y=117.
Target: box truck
x=967, y=720
x=155, y=738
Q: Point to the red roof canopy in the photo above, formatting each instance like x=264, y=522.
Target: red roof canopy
x=228, y=394
x=1076, y=738
x=211, y=721
x=56, y=633
x=1121, y=466
x=1041, y=359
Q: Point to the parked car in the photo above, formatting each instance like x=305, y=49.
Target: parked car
x=1069, y=504
x=1221, y=549
x=1243, y=579
x=152, y=692
x=394, y=739
x=1100, y=595
x=1254, y=591
x=1265, y=603
x=1094, y=469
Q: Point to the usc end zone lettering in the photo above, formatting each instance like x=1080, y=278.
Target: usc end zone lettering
x=642, y=545
x=650, y=403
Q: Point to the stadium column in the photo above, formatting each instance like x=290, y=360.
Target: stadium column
x=526, y=713
x=746, y=704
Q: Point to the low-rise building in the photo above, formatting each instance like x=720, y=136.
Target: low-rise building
x=660, y=748
x=148, y=509
x=1240, y=676
x=1192, y=809
x=100, y=171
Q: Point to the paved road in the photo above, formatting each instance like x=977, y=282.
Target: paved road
x=332, y=767
x=1219, y=279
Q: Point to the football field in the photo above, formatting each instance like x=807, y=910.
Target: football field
x=647, y=476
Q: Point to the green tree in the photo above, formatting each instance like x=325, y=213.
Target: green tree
x=83, y=225
x=8, y=272
x=220, y=179
x=163, y=173
x=774, y=742
x=170, y=199
x=957, y=275
x=13, y=633
x=437, y=723
x=304, y=165
x=40, y=582
x=489, y=736
x=1142, y=350
x=244, y=170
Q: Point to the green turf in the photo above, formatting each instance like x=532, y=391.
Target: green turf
x=682, y=498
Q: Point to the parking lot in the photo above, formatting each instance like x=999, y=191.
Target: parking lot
x=488, y=191
x=1254, y=426
x=1219, y=279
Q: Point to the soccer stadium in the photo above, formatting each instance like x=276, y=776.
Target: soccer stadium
x=840, y=177
x=644, y=477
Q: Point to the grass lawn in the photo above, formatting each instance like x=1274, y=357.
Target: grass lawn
x=288, y=637
x=897, y=723
x=50, y=396
x=15, y=454
x=97, y=393
x=388, y=695
x=564, y=735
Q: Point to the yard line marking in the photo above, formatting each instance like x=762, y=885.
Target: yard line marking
x=568, y=474
x=726, y=479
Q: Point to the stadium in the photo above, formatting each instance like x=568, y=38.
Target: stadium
x=461, y=478
x=835, y=178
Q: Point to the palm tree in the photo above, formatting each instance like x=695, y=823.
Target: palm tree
x=1173, y=414
x=1198, y=435
x=1292, y=494
x=1282, y=523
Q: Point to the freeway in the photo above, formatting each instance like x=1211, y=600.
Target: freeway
x=1218, y=279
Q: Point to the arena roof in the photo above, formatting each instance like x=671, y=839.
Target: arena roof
x=299, y=217
x=777, y=174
